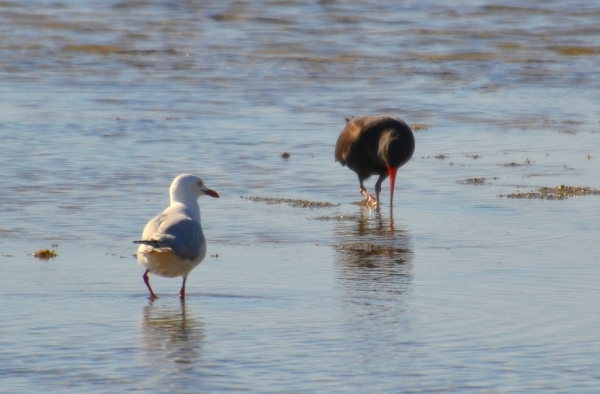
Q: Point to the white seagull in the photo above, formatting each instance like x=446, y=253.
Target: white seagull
x=172, y=243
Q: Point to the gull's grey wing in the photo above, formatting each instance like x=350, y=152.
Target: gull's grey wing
x=178, y=232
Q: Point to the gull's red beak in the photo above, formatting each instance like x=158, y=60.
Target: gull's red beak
x=211, y=193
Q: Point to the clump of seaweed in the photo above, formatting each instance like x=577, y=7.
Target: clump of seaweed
x=420, y=127
x=555, y=193
x=569, y=191
x=44, y=254
x=296, y=203
x=527, y=162
x=570, y=132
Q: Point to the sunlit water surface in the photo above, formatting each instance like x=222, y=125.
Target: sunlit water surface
x=457, y=289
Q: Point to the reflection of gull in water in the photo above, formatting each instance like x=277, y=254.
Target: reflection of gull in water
x=171, y=338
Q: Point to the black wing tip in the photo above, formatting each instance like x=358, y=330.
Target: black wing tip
x=149, y=243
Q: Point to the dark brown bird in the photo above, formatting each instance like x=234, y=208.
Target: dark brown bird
x=375, y=145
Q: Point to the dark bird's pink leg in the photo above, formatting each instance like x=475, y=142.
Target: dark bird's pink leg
x=152, y=296
x=369, y=199
x=378, y=187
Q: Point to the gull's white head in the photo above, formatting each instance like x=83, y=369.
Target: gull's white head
x=188, y=186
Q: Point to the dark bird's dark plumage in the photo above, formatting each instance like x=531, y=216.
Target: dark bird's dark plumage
x=375, y=145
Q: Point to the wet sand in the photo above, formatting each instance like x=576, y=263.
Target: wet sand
x=458, y=288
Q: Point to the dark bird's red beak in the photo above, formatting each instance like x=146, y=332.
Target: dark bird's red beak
x=392, y=173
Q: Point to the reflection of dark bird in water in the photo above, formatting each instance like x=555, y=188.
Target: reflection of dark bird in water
x=375, y=145
x=373, y=265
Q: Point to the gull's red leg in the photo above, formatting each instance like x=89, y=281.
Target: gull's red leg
x=152, y=296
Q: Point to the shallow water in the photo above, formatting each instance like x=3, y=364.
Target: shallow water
x=454, y=289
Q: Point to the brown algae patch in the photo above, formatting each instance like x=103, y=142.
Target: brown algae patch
x=339, y=218
x=367, y=248
x=94, y=48
x=296, y=203
x=527, y=162
x=420, y=127
x=576, y=51
x=474, y=181
x=510, y=46
x=227, y=18
x=44, y=254
x=469, y=56
x=110, y=49
x=555, y=193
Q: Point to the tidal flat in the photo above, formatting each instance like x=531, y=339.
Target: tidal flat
x=457, y=288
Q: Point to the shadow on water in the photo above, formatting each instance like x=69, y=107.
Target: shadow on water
x=171, y=338
x=373, y=262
